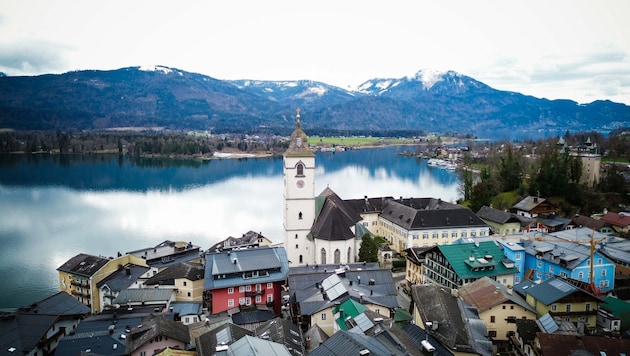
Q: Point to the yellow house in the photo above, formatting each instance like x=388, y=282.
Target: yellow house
x=185, y=277
x=559, y=298
x=497, y=306
x=79, y=276
x=501, y=222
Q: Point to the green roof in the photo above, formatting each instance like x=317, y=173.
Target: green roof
x=402, y=316
x=476, y=259
x=349, y=309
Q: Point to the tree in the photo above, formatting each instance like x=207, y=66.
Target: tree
x=368, y=252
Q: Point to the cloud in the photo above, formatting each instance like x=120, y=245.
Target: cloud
x=32, y=56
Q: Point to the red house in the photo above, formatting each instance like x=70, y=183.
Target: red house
x=243, y=277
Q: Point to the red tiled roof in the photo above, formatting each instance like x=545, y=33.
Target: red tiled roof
x=616, y=219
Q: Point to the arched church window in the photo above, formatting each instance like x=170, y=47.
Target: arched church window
x=337, y=256
x=300, y=169
x=301, y=259
x=300, y=215
x=349, y=255
x=323, y=256
x=296, y=236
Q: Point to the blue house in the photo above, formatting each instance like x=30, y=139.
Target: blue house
x=542, y=256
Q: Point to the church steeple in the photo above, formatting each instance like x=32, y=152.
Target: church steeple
x=298, y=144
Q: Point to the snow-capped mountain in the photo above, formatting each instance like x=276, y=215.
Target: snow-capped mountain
x=429, y=101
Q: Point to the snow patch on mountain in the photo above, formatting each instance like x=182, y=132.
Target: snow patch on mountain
x=158, y=68
x=428, y=77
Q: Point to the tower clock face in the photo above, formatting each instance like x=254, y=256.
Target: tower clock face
x=300, y=183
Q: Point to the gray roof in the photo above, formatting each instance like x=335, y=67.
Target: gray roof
x=83, y=265
x=355, y=284
x=123, y=278
x=458, y=326
x=412, y=218
x=148, y=295
x=253, y=316
x=486, y=293
x=283, y=332
x=26, y=326
x=495, y=215
x=553, y=290
x=335, y=218
x=367, y=205
x=349, y=343
x=418, y=335
x=227, y=269
x=225, y=334
x=183, y=270
x=186, y=308
x=93, y=333
x=569, y=253
x=528, y=203
x=253, y=346
x=153, y=326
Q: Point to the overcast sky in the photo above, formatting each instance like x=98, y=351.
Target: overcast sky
x=577, y=50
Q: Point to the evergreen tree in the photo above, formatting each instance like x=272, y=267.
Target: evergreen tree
x=368, y=252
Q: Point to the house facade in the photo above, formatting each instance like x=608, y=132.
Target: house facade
x=533, y=206
x=186, y=278
x=245, y=277
x=80, y=275
x=559, y=298
x=456, y=265
x=497, y=306
x=500, y=222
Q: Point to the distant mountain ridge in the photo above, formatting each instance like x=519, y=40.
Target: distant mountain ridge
x=159, y=96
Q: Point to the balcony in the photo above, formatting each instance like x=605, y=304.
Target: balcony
x=255, y=293
x=74, y=282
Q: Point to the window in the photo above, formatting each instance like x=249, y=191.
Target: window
x=550, y=269
x=188, y=294
x=554, y=307
x=415, y=236
x=184, y=283
x=581, y=275
x=603, y=273
x=492, y=318
x=230, y=303
x=587, y=307
x=269, y=285
x=231, y=290
x=296, y=236
x=241, y=289
x=301, y=259
x=503, y=306
x=568, y=308
x=453, y=234
x=435, y=235
x=492, y=333
x=473, y=234
x=445, y=235
x=323, y=316
x=269, y=298
x=297, y=247
x=323, y=254
x=599, y=261
x=300, y=169
x=258, y=299
x=464, y=234
x=248, y=301
x=518, y=255
x=248, y=288
x=539, y=264
x=241, y=301
x=377, y=311
x=425, y=235
x=337, y=256
x=300, y=215
x=482, y=233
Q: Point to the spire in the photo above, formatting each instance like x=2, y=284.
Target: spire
x=298, y=144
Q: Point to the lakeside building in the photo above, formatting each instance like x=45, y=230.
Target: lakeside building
x=80, y=276
x=244, y=277
x=456, y=265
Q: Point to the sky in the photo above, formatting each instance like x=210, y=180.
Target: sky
x=560, y=49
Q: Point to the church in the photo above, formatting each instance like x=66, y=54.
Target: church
x=319, y=229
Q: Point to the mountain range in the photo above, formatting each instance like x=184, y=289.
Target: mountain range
x=159, y=96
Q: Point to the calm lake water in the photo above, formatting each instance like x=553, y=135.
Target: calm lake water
x=54, y=207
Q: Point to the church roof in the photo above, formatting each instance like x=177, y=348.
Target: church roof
x=334, y=218
x=298, y=144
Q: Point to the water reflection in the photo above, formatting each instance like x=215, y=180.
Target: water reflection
x=108, y=208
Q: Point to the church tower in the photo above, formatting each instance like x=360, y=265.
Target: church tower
x=299, y=197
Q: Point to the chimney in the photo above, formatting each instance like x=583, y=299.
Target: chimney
x=128, y=270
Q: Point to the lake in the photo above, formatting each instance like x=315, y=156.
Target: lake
x=53, y=207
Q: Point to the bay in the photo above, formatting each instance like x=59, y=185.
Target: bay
x=53, y=207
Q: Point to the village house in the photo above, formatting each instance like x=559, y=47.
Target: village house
x=533, y=206
x=560, y=298
x=619, y=222
x=80, y=276
x=315, y=291
x=456, y=265
x=185, y=278
x=38, y=328
x=500, y=222
x=248, y=240
x=497, y=306
x=449, y=320
x=245, y=277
